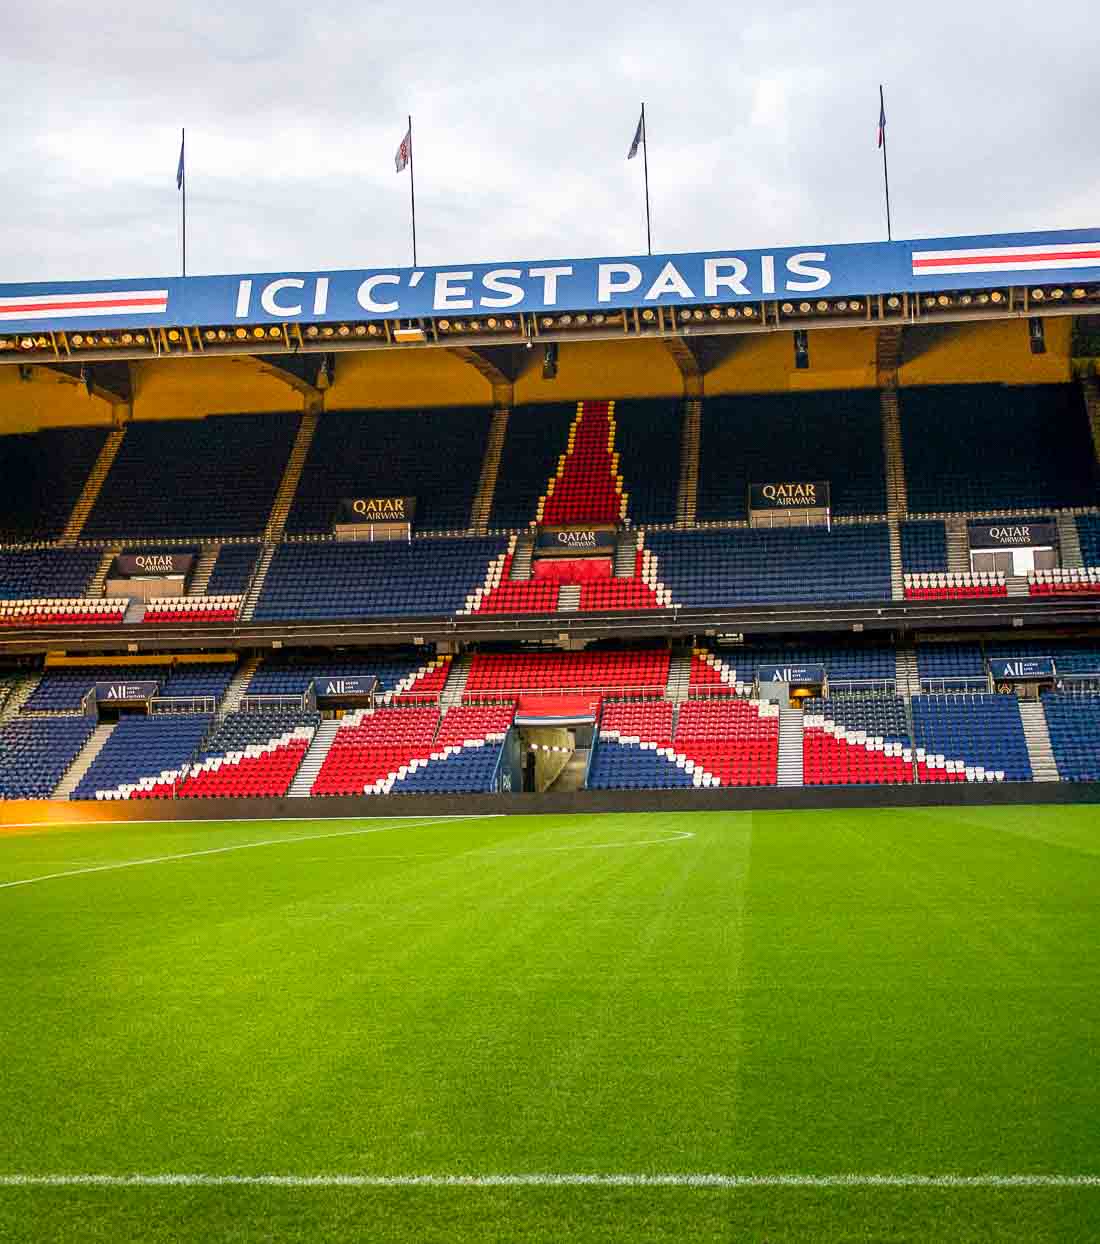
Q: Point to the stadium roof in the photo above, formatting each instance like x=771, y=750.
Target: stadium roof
x=855, y=284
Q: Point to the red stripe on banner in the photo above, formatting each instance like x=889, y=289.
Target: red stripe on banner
x=79, y=306
x=1006, y=257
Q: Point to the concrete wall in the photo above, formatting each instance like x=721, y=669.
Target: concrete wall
x=48, y=399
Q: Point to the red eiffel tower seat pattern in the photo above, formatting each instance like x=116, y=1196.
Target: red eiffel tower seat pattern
x=587, y=486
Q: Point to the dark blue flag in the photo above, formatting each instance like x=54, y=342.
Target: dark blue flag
x=179, y=167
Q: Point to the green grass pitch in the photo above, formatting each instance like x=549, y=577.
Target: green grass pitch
x=887, y=993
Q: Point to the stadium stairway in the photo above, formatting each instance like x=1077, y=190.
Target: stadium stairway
x=789, y=771
x=1069, y=542
x=569, y=598
x=98, y=582
x=288, y=485
x=687, y=496
x=490, y=468
x=238, y=686
x=455, y=686
x=19, y=695
x=200, y=580
x=1091, y=388
x=679, y=678
x=958, y=546
x=256, y=586
x=520, y=568
x=896, y=496
x=1037, y=736
x=82, y=761
x=906, y=678
x=314, y=758
x=90, y=493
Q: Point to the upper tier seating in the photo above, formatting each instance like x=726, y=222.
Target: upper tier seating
x=432, y=455
x=63, y=687
x=1065, y=581
x=373, y=744
x=177, y=609
x=143, y=754
x=233, y=569
x=586, y=487
x=765, y=438
x=497, y=673
x=535, y=438
x=36, y=751
x=726, y=569
x=1088, y=531
x=1073, y=722
x=648, y=445
x=958, y=456
x=860, y=739
x=251, y=755
x=979, y=585
x=51, y=611
x=44, y=474
x=978, y=731
x=197, y=477
x=47, y=573
x=923, y=546
x=327, y=581
x=395, y=669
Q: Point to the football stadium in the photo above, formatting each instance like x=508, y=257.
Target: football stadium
x=591, y=748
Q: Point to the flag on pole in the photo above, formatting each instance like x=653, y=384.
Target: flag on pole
x=881, y=119
x=179, y=167
x=404, y=151
x=639, y=138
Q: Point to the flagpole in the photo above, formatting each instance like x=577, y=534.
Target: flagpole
x=645, y=164
x=412, y=187
x=885, y=165
x=183, y=202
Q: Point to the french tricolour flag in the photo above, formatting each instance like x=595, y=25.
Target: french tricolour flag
x=104, y=302
x=1052, y=258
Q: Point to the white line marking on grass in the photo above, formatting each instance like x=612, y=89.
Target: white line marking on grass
x=243, y=846
x=677, y=835
x=228, y=820
x=546, y=1180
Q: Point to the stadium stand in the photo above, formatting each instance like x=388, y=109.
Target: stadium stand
x=1073, y=723
x=1088, y=532
x=866, y=663
x=497, y=674
x=976, y=586
x=44, y=473
x=1071, y=581
x=251, y=755
x=62, y=688
x=194, y=477
x=736, y=741
x=996, y=447
x=980, y=737
x=923, y=546
x=957, y=665
x=860, y=739
x=725, y=569
x=1071, y=656
x=37, y=574
x=586, y=487
x=421, y=577
x=648, y=445
x=536, y=436
x=373, y=744
x=55, y=612
x=761, y=438
x=232, y=569
x=432, y=455
x=177, y=609
x=464, y=755
x=36, y=751
x=143, y=755
x=399, y=669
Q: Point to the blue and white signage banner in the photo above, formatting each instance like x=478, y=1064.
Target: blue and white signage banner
x=727, y=276
x=1008, y=669
x=799, y=675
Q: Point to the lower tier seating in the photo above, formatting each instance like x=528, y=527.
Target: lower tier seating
x=78, y=611
x=36, y=751
x=745, y=566
x=372, y=744
x=506, y=673
x=464, y=757
x=1073, y=723
x=143, y=755
x=980, y=736
x=860, y=739
x=251, y=755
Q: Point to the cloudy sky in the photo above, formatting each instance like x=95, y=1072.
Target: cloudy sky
x=761, y=128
